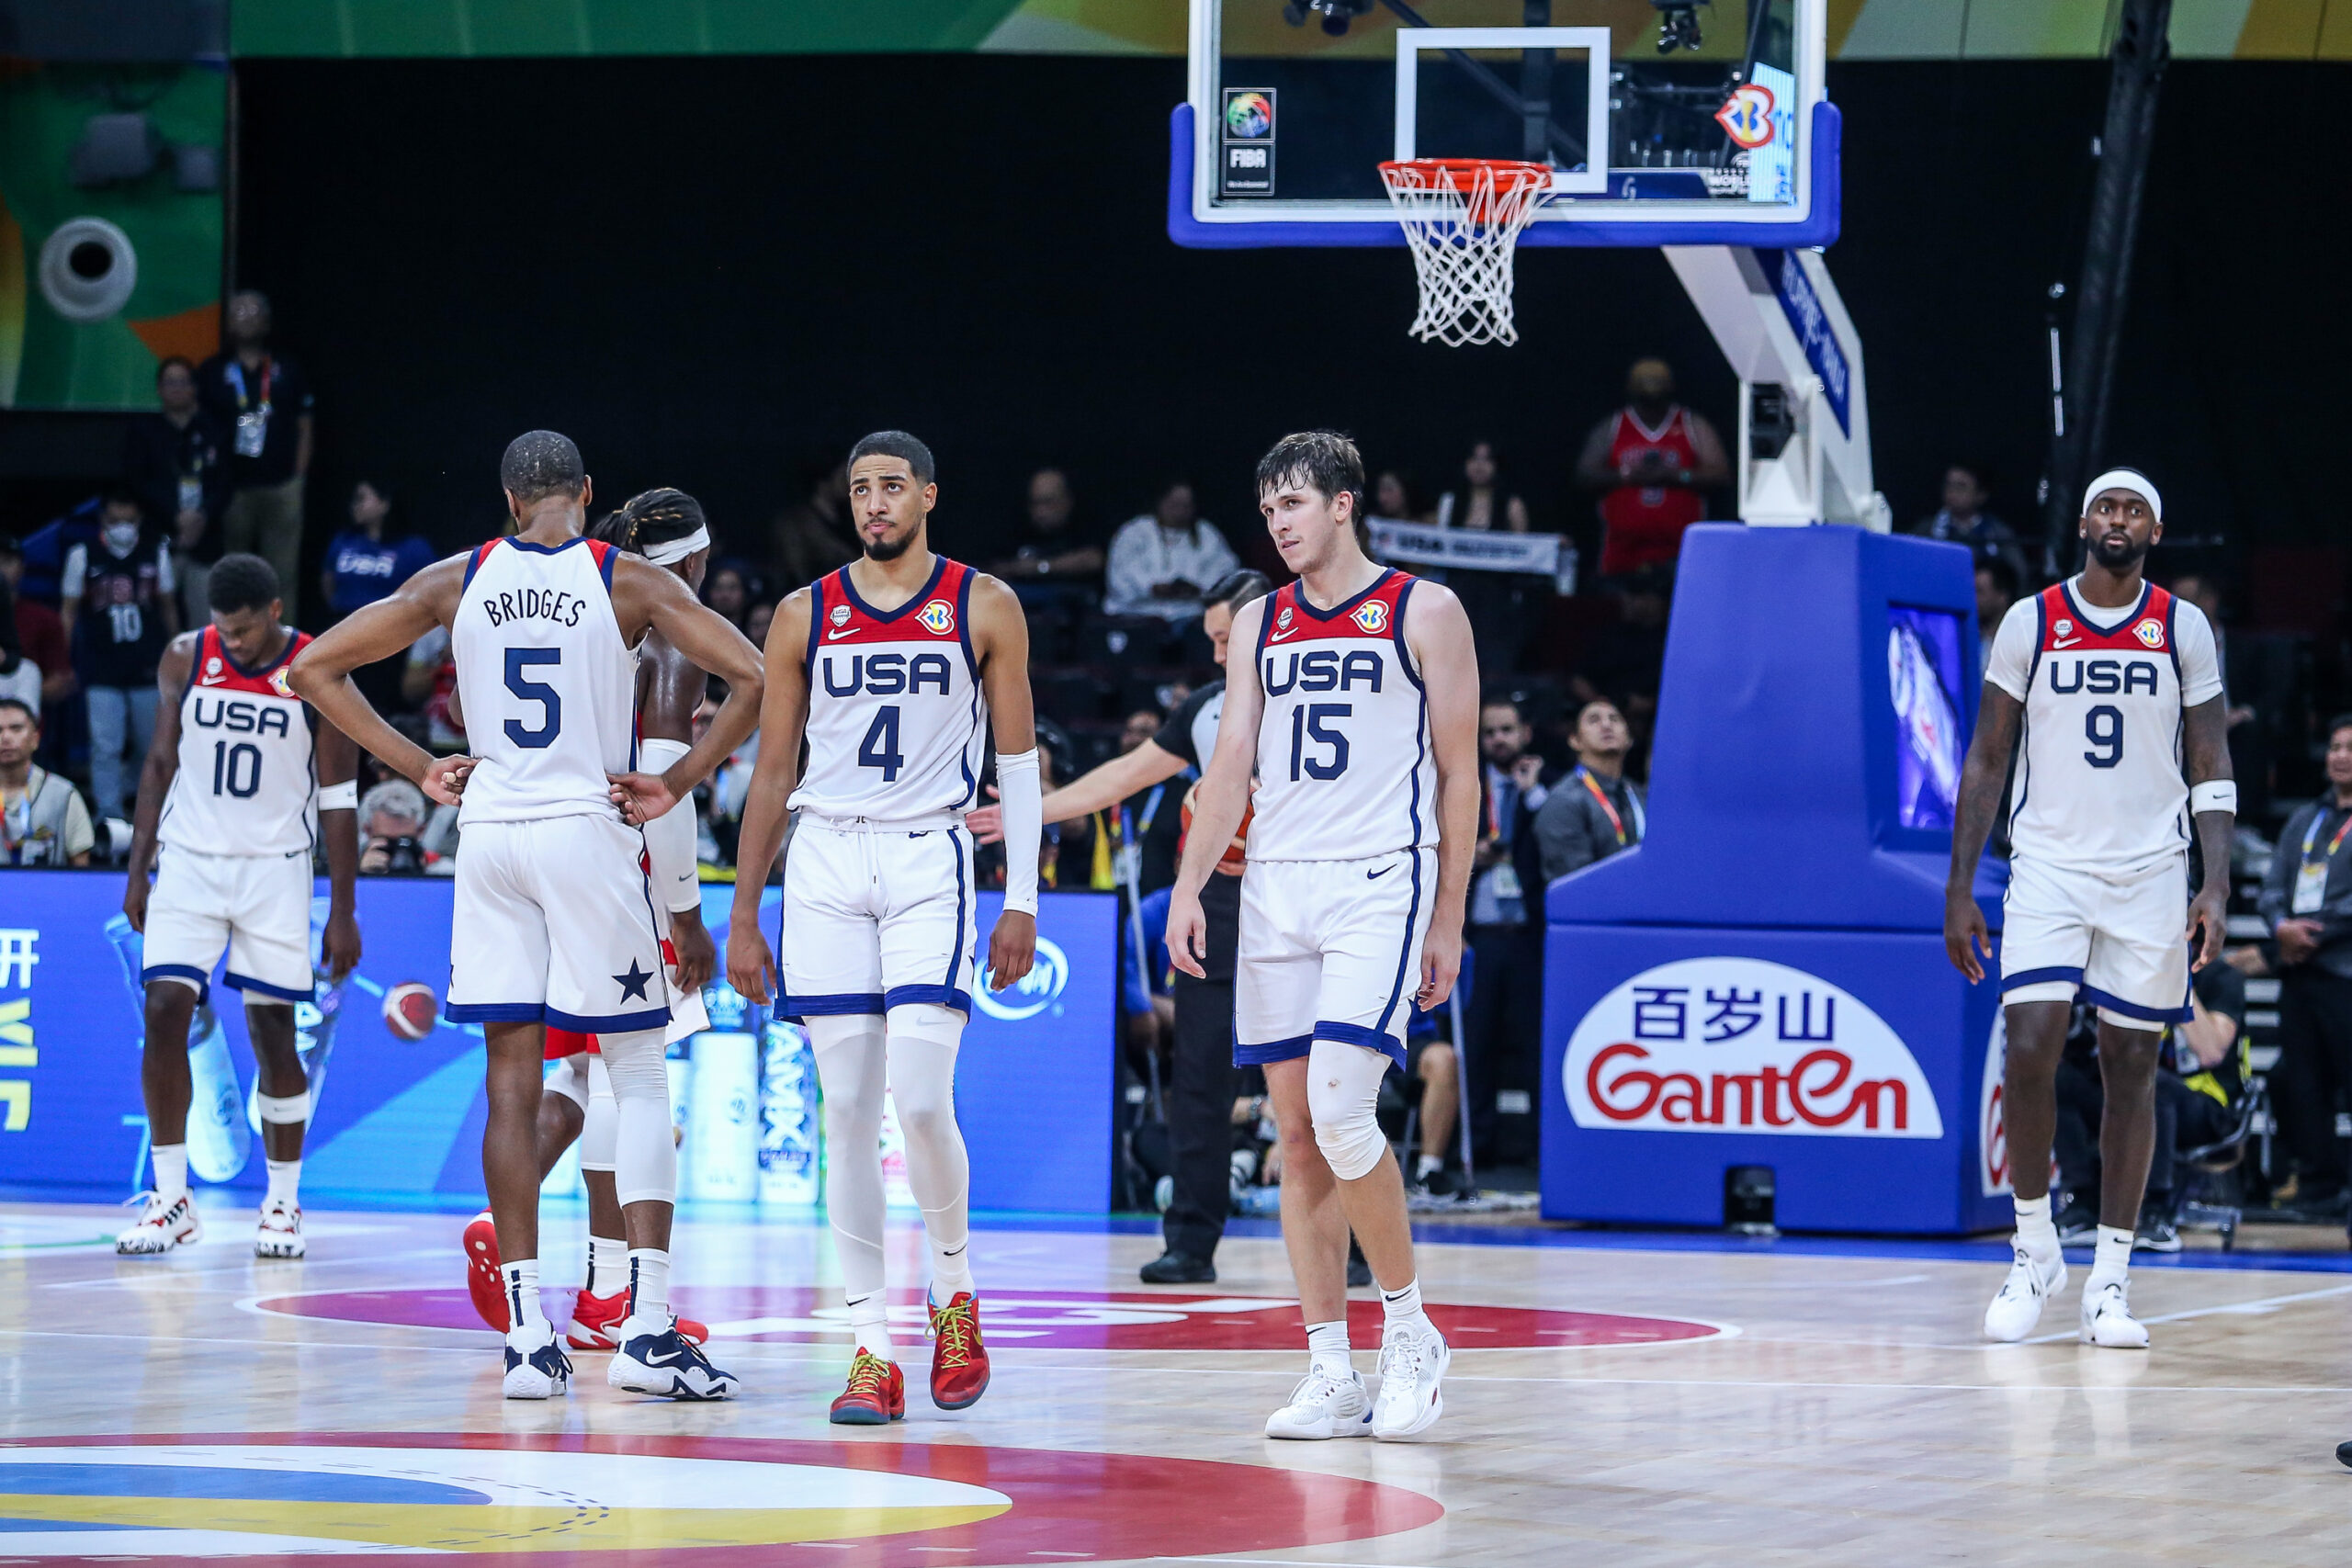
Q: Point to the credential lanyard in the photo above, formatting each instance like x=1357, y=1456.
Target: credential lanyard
x=1609, y=806
x=2310, y=836
x=237, y=372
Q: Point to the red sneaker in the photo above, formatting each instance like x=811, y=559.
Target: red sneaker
x=596, y=1320
x=877, y=1394
x=959, y=1361
x=482, y=1281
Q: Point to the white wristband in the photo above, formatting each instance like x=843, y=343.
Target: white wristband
x=343, y=797
x=2214, y=794
x=1025, y=827
x=670, y=838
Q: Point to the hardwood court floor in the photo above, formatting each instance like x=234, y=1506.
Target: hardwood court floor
x=1614, y=1400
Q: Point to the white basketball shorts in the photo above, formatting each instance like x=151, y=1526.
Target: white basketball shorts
x=255, y=907
x=554, y=923
x=2120, y=942
x=1330, y=950
x=874, y=916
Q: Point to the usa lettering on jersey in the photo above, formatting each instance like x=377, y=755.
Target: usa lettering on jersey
x=248, y=781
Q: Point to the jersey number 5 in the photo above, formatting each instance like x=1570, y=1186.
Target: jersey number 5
x=549, y=700
x=880, y=747
x=2103, y=727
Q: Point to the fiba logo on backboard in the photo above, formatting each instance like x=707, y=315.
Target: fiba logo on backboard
x=1248, y=115
x=937, y=617
x=1743, y=1045
x=1032, y=993
x=1747, y=116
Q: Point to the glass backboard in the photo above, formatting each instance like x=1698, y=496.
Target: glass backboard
x=1664, y=123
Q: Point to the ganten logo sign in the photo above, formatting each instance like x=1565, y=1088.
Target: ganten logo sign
x=1741, y=1046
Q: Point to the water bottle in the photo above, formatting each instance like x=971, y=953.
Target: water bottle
x=790, y=1134
x=314, y=1021
x=219, y=1141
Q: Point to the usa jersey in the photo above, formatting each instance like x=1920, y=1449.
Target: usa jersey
x=247, y=783
x=2099, y=785
x=548, y=687
x=1344, y=765
x=896, y=720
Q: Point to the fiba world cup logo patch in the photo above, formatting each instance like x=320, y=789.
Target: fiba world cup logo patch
x=938, y=617
x=1372, y=615
x=2151, y=632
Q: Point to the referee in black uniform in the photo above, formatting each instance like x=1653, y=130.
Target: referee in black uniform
x=1200, y=1100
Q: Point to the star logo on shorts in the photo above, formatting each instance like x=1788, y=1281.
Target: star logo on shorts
x=633, y=984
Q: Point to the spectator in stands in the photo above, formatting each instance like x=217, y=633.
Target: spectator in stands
x=1393, y=496
x=813, y=536
x=391, y=823
x=125, y=580
x=428, y=687
x=1624, y=659
x=1997, y=590
x=727, y=592
x=1052, y=549
x=362, y=566
x=262, y=399
x=1596, y=811
x=1651, y=462
x=1964, y=520
x=1482, y=501
x=177, y=461
x=1160, y=563
x=42, y=819
x=20, y=678
x=2307, y=901
x=39, y=632
x=1503, y=1014
x=757, y=620
x=1496, y=602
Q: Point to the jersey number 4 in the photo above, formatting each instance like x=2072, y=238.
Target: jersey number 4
x=550, y=701
x=880, y=747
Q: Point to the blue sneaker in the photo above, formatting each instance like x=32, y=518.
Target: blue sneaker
x=540, y=1373
x=667, y=1364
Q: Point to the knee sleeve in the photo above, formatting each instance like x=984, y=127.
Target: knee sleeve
x=569, y=1079
x=600, y=1128
x=645, y=1151
x=850, y=1068
x=1343, y=1094
x=923, y=1040
x=2039, y=991
x=2125, y=1020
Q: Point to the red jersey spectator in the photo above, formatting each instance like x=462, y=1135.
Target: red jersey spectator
x=1651, y=461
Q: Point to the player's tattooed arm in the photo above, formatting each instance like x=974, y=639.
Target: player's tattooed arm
x=646, y=595
x=337, y=761
x=2205, y=744
x=1967, y=940
x=1224, y=795
x=1000, y=642
x=1437, y=632
x=155, y=774
x=783, y=715
x=321, y=674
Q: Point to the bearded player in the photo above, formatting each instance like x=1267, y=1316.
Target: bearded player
x=896, y=670
x=1352, y=696
x=2116, y=687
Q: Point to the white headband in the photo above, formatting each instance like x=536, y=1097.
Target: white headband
x=669, y=552
x=2131, y=479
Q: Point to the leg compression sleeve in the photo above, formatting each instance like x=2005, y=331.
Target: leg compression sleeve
x=923, y=1041
x=851, y=1068
x=670, y=838
x=645, y=1156
x=1343, y=1094
x=600, y=1128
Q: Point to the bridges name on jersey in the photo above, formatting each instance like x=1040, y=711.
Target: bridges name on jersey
x=2102, y=785
x=247, y=777
x=896, y=720
x=1344, y=766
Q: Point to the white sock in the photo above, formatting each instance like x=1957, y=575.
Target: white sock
x=1427, y=1166
x=608, y=1266
x=869, y=1317
x=2035, y=1231
x=1327, y=1349
x=523, y=1315
x=284, y=1177
x=1405, y=1305
x=171, y=1169
x=2111, y=1264
x=649, y=1284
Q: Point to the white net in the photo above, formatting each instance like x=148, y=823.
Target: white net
x=1463, y=219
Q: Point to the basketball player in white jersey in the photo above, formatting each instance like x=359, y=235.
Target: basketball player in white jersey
x=897, y=670
x=2116, y=687
x=553, y=922
x=240, y=783
x=1352, y=696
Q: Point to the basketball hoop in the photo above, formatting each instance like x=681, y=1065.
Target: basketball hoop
x=1463, y=217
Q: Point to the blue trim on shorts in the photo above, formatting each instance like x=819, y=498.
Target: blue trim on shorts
x=154, y=972
x=841, y=1004
x=237, y=982
x=2073, y=972
x=608, y=1022
x=1288, y=1050
x=955, y=954
x=2136, y=1010
x=945, y=995
x=495, y=1013
x=1412, y=911
x=1357, y=1035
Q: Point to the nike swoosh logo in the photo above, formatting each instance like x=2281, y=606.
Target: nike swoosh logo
x=211, y=680
x=2067, y=642
x=839, y=632
x=1280, y=635
x=664, y=1361
x=1376, y=875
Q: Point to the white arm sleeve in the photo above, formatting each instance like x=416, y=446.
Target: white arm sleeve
x=2200, y=665
x=670, y=838
x=1025, y=827
x=2012, y=664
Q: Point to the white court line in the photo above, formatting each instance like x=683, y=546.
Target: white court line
x=132, y=1282
x=2256, y=1308
x=1280, y=1561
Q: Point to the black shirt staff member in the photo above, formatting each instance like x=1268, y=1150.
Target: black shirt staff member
x=2306, y=901
x=1200, y=1100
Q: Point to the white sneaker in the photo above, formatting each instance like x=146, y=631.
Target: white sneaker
x=2017, y=1307
x=280, y=1234
x=2107, y=1322
x=1412, y=1362
x=540, y=1373
x=1323, y=1406
x=163, y=1226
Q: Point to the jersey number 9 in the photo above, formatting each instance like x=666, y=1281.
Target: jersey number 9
x=2103, y=727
